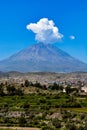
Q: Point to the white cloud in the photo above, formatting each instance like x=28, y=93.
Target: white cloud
x=72, y=37
x=45, y=31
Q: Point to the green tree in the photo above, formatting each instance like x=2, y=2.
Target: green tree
x=18, y=92
x=11, y=90
x=22, y=121
x=1, y=90
x=72, y=127
x=26, y=84
x=68, y=89
x=81, y=128
x=56, y=123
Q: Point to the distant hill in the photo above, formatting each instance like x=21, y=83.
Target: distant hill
x=42, y=58
x=3, y=74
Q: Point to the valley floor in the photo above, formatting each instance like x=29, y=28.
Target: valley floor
x=34, y=106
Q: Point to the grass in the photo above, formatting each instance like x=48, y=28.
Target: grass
x=52, y=100
x=79, y=110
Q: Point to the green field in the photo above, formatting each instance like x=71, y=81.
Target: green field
x=41, y=108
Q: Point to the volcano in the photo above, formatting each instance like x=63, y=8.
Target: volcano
x=42, y=58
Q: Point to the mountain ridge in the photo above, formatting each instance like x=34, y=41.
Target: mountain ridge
x=42, y=58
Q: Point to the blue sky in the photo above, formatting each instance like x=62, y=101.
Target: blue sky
x=70, y=16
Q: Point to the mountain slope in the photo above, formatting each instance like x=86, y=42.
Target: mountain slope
x=40, y=57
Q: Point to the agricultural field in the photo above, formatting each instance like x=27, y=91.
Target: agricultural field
x=18, y=128
x=34, y=105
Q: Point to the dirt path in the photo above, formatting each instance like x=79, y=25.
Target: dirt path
x=19, y=128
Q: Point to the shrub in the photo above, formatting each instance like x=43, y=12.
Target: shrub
x=46, y=128
x=22, y=121
x=56, y=123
